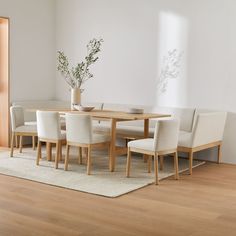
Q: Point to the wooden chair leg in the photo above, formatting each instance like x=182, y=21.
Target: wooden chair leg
x=16, y=141
x=145, y=158
x=49, y=151
x=12, y=144
x=176, y=165
x=110, y=157
x=67, y=156
x=80, y=156
x=156, y=168
x=60, y=151
x=128, y=163
x=161, y=162
x=149, y=164
x=86, y=155
x=89, y=160
x=33, y=142
x=84, y=151
x=219, y=154
x=191, y=162
x=126, y=142
x=21, y=139
x=57, y=154
x=61, y=146
x=39, y=152
x=114, y=162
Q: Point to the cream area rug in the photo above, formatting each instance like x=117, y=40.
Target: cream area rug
x=101, y=181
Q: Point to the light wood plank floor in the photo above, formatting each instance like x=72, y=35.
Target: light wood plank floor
x=204, y=204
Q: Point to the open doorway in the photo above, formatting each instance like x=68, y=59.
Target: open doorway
x=4, y=82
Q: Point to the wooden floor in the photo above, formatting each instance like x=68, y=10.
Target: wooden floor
x=204, y=204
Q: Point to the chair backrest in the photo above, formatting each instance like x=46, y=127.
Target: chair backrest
x=17, y=117
x=166, y=135
x=79, y=128
x=48, y=125
x=209, y=128
x=184, y=115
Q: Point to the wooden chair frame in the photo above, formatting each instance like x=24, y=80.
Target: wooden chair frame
x=156, y=155
x=48, y=142
x=191, y=151
x=15, y=136
x=89, y=148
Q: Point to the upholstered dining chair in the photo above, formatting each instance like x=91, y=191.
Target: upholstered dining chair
x=164, y=142
x=49, y=131
x=79, y=133
x=20, y=128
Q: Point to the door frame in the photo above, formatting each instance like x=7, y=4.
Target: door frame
x=5, y=133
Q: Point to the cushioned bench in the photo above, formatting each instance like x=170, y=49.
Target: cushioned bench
x=207, y=132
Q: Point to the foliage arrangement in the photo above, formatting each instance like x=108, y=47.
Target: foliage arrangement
x=76, y=76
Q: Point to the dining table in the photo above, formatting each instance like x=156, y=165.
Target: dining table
x=115, y=117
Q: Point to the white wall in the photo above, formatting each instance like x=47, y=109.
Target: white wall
x=32, y=43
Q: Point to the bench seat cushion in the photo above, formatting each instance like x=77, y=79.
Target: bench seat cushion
x=126, y=131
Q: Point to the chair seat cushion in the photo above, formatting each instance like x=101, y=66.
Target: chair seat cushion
x=27, y=129
x=31, y=123
x=144, y=144
x=100, y=138
x=185, y=139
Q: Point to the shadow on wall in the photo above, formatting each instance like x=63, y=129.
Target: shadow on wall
x=172, y=63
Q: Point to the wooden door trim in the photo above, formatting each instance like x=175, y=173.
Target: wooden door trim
x=5, y=139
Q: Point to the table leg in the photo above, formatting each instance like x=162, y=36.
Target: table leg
x=33, y=142
x=16, y=140
x=49, y=151
x=146, y=134
x=113, y=145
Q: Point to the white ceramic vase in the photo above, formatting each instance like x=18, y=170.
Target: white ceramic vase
x=75, y=97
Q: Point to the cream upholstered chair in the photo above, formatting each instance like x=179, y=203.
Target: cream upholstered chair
x=79, y=133
x=49, y=131
x=19, y=128
x=207, y=132
x=164, y=142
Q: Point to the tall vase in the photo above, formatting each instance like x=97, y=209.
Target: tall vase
x=75, y=97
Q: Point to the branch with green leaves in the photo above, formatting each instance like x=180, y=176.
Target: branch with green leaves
x=76, y=76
